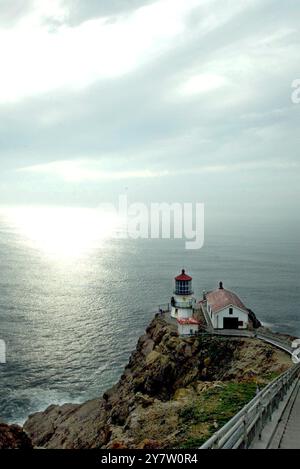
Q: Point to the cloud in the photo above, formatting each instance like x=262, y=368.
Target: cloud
x=201, y=84
x=176, y=97
x=84, y=171
x=12, y=11
x=78, y=171
x=77, y=57
x=82, y=10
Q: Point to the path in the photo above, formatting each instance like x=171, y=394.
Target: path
x=287, y=435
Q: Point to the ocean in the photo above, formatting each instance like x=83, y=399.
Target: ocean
x=71, y=322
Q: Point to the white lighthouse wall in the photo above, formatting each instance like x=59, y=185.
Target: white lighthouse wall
x=187, y=300
x=187, y=329
x=217, y=318
x=183, y=307
x=182, y=313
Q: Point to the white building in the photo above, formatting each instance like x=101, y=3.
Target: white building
x=189, y=326
x=225, y=309
x=183, y=304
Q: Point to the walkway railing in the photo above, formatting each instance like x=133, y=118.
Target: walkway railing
x=165, y=307
x=207, y=319
x=247, y=424
x=269, y=338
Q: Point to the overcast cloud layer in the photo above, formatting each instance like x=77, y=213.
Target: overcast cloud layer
x=174, y=100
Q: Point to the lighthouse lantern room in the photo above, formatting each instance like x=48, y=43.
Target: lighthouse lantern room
x=183, y=302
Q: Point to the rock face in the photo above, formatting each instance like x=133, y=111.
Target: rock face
x=13, y=437
x=255, y=322
x=174, y=392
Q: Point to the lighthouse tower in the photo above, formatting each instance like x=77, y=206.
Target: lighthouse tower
x=183, y=302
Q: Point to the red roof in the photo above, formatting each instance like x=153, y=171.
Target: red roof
x=183, y=276
x=184, y=321
x=221, y=298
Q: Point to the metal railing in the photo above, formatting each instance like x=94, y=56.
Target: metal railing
x=207, y=318
x=184, y=304
x=165, y=308
x=248, y=423
x=271, y=339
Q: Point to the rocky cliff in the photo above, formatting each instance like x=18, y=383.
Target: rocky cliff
x=174, y=392
x=13, y=437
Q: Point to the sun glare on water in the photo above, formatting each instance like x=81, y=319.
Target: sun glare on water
x=62, y=233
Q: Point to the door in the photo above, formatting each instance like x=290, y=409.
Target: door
x=231, y=323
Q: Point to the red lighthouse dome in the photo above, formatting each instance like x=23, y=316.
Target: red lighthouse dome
x=183, y=277
x=183, y=284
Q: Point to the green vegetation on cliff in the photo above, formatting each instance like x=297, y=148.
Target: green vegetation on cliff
x=213, y=409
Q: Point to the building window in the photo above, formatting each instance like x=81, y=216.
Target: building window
x=230, y=310
x=183, y=287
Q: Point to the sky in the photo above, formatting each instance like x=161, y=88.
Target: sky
x=167, y=101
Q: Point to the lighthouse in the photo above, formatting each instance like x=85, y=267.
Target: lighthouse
x=183, y=302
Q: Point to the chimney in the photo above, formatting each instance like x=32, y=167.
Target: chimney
x=204, y=295
x=221, y=286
